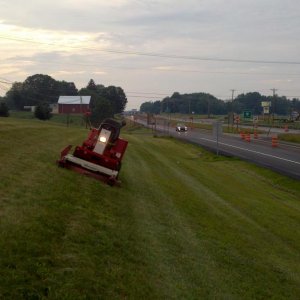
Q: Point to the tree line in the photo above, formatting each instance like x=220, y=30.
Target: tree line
x=42, y=90
x=204, y=103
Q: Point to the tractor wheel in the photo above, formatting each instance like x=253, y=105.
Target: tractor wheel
x=111, y=181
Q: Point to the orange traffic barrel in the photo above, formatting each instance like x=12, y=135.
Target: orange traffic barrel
x=255, y=134
x=274, y=141
x=242, y=135
x=248, y=138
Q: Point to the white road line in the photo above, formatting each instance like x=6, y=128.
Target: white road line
x=253, y=151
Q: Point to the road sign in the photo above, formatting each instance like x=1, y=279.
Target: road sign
x=266, y=104
x=237, y=119
x=295, y=115
x=217, y=131
x=247, y=114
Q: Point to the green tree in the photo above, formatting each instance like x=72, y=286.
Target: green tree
x=200, y=103
x=4, y=112
x=250, y=101
x=116, y=97
x=43, y=111
x=66, y=88
x=146, y=107
x=14, y=96
x=40, y=88
x=112, y=98
x=151, y=107
x=87, y=92
x=101, y=109
x=100, y=88
x=91, y=85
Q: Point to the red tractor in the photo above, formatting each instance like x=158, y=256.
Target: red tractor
x=100, y=155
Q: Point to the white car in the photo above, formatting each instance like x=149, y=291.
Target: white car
x=181, y=128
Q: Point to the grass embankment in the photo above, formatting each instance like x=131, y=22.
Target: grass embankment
x=68, y=120
x=184, y=225
x=290, y=137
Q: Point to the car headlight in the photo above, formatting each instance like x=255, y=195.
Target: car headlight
x=102, y=139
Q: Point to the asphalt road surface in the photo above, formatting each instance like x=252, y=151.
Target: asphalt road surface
x=285, y=158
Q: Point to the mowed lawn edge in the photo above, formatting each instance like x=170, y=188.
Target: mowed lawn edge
x=185, y=224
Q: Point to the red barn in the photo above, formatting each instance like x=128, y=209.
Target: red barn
x=73, y=104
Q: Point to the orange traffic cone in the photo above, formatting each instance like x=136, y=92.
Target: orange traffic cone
x=274, y=141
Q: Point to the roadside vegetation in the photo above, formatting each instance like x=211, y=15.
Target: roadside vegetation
x=291, y=137
x=206, y=104
x=185, y=224
x=79, y=121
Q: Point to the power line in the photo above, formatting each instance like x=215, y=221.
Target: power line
x=224, y=72
x=146, y=93
x=3, y=87
x=161, y=55
x=5, y=82
x=156, y=69
x=142, y=96
x=5, y=79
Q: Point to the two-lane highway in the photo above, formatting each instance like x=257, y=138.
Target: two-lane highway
x=284, y=159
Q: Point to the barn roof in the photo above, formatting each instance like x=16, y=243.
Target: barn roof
x=74, y=99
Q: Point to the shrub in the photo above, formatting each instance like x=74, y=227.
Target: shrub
x=43, y=111
x=4, y=110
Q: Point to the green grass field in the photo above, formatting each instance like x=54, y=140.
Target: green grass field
x=185, y=224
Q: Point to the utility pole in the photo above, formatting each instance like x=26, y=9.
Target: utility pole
x=274, y=102
x=81, y=109
x=208, y=106
x=169, y=116
x=230, y=115
x=274, y=90
x=232, y=93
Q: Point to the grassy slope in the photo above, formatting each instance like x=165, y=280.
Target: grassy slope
x=184, y=224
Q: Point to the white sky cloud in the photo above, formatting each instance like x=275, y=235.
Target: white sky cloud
x=71, y=40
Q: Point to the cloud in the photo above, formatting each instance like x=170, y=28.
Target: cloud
x=71, y=39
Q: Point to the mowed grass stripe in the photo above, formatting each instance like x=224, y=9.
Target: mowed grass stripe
x=241, y=193
x=170, y=246
x=233, y=223
x=184, y=225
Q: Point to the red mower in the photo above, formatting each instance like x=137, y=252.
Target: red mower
x=100, y=155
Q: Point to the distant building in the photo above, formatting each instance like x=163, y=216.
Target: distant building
x=73, y=104
x=131, y=112
x=29, y=108
x=54, y=108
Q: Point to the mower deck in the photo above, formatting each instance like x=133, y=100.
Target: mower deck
x=90, y=166
x=86, y=168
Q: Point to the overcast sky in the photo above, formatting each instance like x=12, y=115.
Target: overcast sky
x=152, y=48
